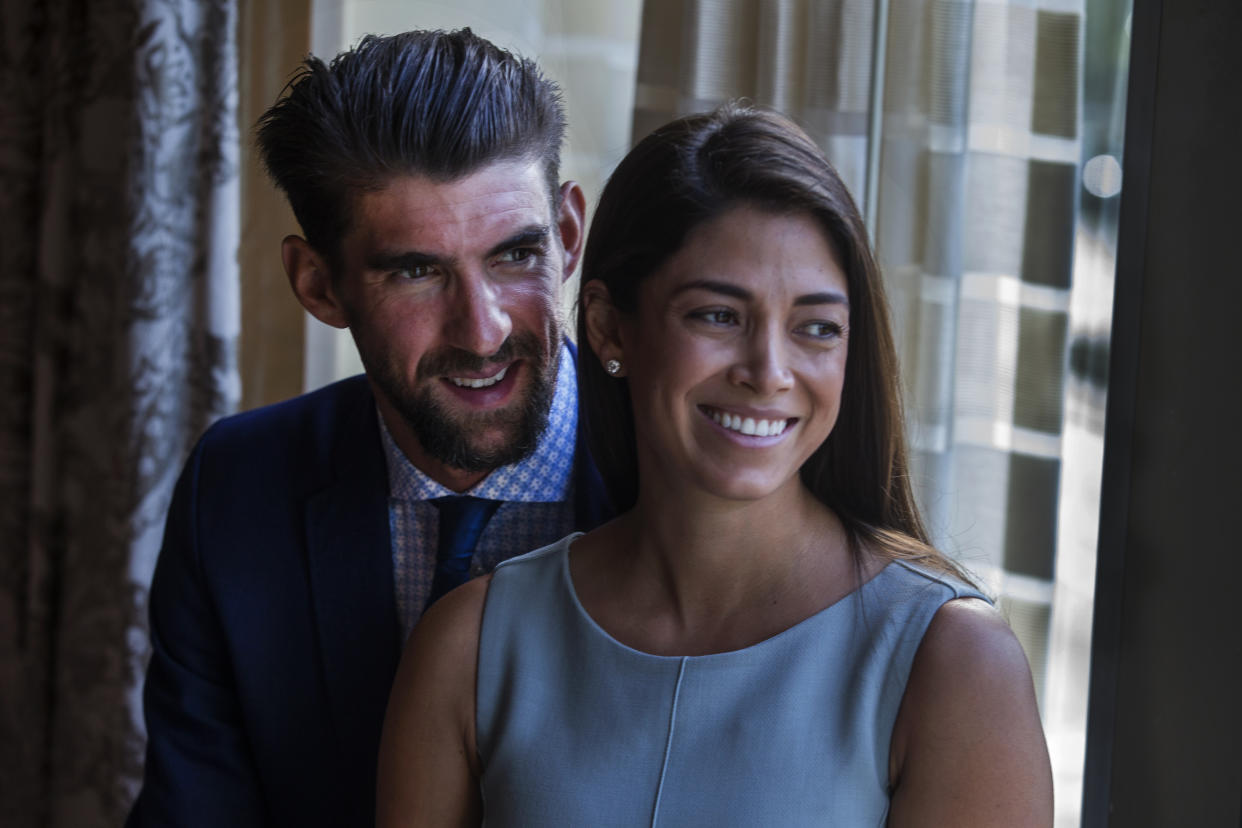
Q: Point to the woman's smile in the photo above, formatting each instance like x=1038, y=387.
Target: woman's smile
x=749, y=425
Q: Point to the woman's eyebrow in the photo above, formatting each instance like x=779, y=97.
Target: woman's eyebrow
x=725, y=288
x=827, y=297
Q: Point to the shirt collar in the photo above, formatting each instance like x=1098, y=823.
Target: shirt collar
x=541, y=477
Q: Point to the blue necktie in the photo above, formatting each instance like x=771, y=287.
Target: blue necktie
x=462, y=519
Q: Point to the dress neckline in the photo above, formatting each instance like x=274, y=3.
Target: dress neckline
x=850, y=598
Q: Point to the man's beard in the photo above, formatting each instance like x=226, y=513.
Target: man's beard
x=450, y=438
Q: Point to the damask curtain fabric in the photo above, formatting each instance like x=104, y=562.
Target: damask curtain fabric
x=118, y=296
x=975, y=199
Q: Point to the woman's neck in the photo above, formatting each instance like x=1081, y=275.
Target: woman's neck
x=698, y=574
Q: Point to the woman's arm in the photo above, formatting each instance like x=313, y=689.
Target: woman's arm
x=428, y=763
x=968, y=748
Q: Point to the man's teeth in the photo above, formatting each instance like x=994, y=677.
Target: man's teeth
x=749, y=425
x=480, y=383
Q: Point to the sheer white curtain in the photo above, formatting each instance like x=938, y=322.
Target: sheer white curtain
x=968, y=172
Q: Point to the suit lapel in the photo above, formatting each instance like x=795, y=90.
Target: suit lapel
x=350, y=562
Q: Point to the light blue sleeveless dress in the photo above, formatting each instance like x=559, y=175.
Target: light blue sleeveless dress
x=577, y=729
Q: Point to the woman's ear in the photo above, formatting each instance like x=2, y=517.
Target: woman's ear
x=312, y=282
x=603, y=325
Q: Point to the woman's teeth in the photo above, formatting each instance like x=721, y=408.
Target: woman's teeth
x=749, y=425
x=480, y=383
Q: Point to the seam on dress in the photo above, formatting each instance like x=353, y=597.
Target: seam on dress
x=668, y=746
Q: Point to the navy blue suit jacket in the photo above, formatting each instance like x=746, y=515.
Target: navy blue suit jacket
x=273, y=620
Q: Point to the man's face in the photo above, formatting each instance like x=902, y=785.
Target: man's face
x=451, y=291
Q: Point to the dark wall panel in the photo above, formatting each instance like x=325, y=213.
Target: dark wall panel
x=1165, y=737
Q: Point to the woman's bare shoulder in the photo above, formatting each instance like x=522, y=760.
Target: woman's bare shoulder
x=428, y=760
x=439, y=666
x=969, y=634
x=968, y=746
x=448, y=633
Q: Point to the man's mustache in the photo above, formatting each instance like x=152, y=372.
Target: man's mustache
x=450, y=360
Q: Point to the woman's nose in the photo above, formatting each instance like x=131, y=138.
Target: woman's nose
x=763, y=365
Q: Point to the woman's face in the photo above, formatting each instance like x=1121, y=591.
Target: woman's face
x=736, y=355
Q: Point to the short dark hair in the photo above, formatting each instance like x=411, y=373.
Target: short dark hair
x=689, y=172
x=433, y=103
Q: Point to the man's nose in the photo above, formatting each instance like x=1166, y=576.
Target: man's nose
x=762, y=363
x=476, y=318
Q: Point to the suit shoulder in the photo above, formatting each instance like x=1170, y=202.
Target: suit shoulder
x=296, y=442
x=316, y=412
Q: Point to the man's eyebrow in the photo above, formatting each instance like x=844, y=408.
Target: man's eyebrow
x=827, y=297
x=532, y=236
x=405, y=260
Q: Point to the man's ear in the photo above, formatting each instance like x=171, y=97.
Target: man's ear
x=312, y=282
x=603, y=324
x=571, y=222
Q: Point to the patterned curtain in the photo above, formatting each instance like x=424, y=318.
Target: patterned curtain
x=974, y=180
x=118, y=296
x=976, y=227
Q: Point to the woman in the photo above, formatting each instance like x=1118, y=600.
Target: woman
x=764, y=636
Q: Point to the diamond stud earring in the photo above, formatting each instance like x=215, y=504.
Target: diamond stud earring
x=612, y=366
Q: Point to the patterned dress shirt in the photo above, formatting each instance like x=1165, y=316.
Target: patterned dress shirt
x=537, y=507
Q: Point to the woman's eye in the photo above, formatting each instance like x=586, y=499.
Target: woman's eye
x=822, y=330
x=716, y=316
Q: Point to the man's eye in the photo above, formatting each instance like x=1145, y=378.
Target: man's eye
x=415, y=272
x=517, y=254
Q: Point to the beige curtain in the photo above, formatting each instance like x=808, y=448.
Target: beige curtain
x=118, y=292
x=273, y=39
x=969, y=177
x=811, y=60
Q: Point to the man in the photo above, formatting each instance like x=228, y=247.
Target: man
x=305, y=539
